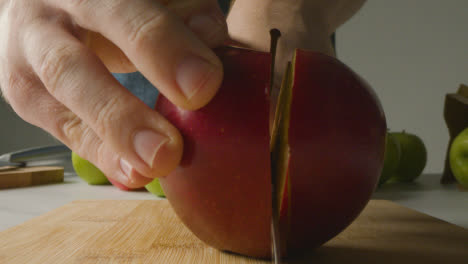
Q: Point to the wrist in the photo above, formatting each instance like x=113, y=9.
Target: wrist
x=249, y=22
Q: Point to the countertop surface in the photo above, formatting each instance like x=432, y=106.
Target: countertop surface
x=426, y=195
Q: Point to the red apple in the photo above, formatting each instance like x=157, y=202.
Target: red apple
x=337, y=142
x=331, y=146
x=222, y=188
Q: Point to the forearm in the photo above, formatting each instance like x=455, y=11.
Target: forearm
x=306, y=24
x=334, y=12
x=303, y=23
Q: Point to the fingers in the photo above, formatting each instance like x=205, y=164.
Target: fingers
x=24, y=93
x=114, y=59
x=142, y=139
x=204, y=17
x=159, y=43
x=66, y=89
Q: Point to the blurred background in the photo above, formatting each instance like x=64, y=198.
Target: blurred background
x=411, y=52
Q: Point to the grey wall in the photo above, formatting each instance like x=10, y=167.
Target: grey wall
x=16, y=134
x=411, y=52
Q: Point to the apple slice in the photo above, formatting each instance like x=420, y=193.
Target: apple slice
x=279, y=147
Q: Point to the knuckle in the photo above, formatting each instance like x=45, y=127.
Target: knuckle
x=108, y=117
x=92, y=150
x=114, y=112
x=100, y=154
x=70, y=129
x=56, y=64
x=81, y=138
x=75, y=133
x=141, y=28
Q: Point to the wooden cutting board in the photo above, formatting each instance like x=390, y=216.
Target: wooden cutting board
x=29, y=176
x=149, y=232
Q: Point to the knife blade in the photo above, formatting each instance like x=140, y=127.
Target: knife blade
x=275, y=234
x=33, y=156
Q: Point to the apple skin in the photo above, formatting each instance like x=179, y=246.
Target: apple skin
x=222, y=188
x=337, y=135
x=87, y=171
x=391, y=159
x=459, y=158
x=413, y=157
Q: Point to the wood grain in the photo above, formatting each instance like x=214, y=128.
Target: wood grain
x=150, y=232
x=29, y=176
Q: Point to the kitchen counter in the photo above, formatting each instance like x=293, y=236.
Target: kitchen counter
x=426, y=195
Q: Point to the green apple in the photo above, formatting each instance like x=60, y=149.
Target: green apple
x=87, y=171
x=459, y=157
x=154, y=187
x=392, y=158
x=413, y=157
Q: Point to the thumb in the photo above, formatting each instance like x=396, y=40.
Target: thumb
x=205, y=18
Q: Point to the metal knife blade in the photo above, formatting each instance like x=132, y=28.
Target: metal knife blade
x=22, y=157
x=31, y=157
x=275, y=234
x=275, y=238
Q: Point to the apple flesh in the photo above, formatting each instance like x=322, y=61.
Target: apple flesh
x=329, y=153
x=155, y=188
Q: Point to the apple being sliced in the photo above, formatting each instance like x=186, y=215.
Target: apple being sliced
x=327, y=148
x=222, y=187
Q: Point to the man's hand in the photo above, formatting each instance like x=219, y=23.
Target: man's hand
x=55, y=63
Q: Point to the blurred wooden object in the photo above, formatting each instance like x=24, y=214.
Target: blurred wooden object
x=29, y=176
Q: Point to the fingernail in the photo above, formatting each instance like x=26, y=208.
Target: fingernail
x=147, y=144
x=193, y=74
x=205, y=26
x=126, y=168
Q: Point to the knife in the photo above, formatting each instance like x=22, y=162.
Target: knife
x=275, y=234
x=33, y=156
